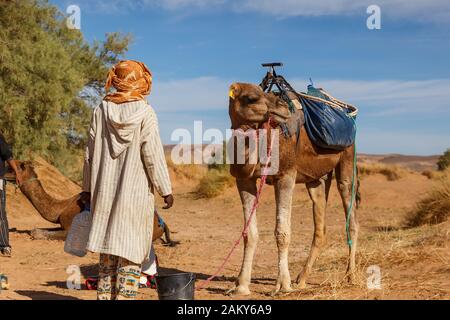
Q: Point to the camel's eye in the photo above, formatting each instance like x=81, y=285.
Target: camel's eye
x=250, y=99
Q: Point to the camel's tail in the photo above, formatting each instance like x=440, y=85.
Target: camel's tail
x=358, y=198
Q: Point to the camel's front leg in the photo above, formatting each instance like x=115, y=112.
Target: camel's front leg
x=247, y=192
x=284, y=189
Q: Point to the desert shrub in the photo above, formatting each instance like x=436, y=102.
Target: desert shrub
x=435, y=175
x=444, y=161
x=391, y=172
x=213, y=183
x=221, y=166
x=429, y=174
x=435, y=207
x=189, y=171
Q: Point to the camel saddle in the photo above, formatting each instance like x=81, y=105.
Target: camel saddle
x=329, y=122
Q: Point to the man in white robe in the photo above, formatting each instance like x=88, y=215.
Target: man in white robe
x=124, y=166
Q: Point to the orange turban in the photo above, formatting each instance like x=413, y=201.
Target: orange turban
x=132, y=80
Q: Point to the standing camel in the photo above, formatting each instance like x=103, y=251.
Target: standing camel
x=301, y=162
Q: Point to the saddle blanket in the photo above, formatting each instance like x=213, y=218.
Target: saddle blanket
x=328, y=127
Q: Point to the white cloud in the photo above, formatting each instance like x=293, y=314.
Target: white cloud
x=431, y=10
x=301, y=7
x=404, y=142
x=120, y=6
x=376, y=96
x=181, y=102
x=197, y=94
x=421, y=10
x=393, y=97
x=181, y=4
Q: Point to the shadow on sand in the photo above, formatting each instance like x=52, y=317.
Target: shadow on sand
x=42, y=295
x=200, y=277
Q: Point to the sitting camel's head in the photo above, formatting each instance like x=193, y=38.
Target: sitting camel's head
x=250, y=105
x=27, y=170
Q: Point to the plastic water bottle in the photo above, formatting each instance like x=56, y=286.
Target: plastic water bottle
x=78, y=235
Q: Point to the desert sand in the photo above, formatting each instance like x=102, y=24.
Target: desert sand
x=414, y=263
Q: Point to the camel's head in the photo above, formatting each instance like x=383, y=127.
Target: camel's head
x=250, y=105
x=27, y=170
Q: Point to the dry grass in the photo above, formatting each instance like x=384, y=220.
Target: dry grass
x=401, y=255
x=408, y=246
x=213, y=183
x=189, y=171
x=430, y=174
x=391, y=172
x=436, y=175
x=210, y=182
x=435, y=207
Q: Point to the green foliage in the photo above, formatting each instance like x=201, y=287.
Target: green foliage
x=444, y=161
x=49, y=80
x=214, y=183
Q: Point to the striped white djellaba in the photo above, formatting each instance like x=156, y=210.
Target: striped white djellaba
x=124, y=164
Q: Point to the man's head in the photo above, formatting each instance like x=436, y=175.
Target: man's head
x=132, y=80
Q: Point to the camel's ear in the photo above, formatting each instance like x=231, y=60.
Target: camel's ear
x=235, y=90
x=26, y=164
x=282, y=103
x=275, y=101
x=21, y=164
x=271, y=97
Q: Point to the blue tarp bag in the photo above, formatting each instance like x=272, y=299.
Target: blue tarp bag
x=327, y=127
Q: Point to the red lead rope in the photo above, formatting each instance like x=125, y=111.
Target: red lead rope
x=244, y=233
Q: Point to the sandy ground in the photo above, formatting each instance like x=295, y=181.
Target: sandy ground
x=414, y=263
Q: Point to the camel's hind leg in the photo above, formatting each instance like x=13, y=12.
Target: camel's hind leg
x=284, y=189
x=247, y=192
x=344, y=176
x=318, y=192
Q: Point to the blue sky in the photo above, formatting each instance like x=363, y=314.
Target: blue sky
x=398, y=76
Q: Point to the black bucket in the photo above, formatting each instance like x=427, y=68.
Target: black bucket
x=177, y=286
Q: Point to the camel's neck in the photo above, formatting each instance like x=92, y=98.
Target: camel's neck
x=48, y=207
x=251, y=166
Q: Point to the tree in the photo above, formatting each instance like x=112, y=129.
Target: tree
x=50, y=78
x=444, y=161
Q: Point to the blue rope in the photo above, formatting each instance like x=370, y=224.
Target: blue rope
x=161, y=221
x=352, y=199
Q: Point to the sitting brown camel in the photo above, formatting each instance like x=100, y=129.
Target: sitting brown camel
x=62, y=212
x=301, y=162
